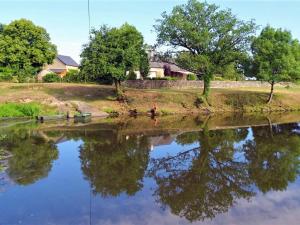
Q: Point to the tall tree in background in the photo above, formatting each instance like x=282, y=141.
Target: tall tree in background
x=25, y=48
x=1, y=27
x=205, y=37
x=276, y=57
x=112, y=52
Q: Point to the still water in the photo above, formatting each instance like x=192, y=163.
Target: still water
x=189, y=170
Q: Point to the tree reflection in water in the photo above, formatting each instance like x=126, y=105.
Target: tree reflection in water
x=114, y=163
x=32, y=156
x=202, y=182
x=273, y=156
x=197, y=184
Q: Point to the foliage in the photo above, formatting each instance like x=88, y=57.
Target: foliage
x=229, y=72
x=73, y=76
x=19, y=110
x=276, y=57
x=111, y=52
x=1, y=27
x=6, y=74
x=144, y=64
x=51, y=78
x=163, y=78
x=192, y=76
x=132, y=75
x=205, y=37
x=25, y=48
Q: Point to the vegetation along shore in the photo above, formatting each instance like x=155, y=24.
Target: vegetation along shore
x=50, y=99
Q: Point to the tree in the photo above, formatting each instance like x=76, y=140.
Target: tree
x=144, y=65
x=204, y=37
x=276, y=57
x=25, y=48
x=112, y=52
x=1, y=27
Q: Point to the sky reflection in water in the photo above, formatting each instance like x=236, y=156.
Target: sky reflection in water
x=133, y=173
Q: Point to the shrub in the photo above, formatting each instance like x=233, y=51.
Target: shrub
x=163, y=78
x=51, y=77
x=218, y=78
x=132, y=75
x=192, y=76
x=73, y=76
x=19, y=110
x=6, y=74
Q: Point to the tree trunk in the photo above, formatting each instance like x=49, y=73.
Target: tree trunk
x=117, y=86
x=271, y=92
x=206, y=79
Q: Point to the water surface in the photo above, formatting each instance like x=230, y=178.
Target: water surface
x=186, y=170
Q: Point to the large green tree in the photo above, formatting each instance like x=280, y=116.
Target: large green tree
x=204, y=37
x=112, y=52
x=25, y=48
x=276, y=57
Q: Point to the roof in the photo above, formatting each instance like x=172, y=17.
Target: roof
x=67, y=60
x=173, y=67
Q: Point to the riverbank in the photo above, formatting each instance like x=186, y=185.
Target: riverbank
x=70, y=97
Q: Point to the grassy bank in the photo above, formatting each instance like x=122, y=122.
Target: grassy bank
x=62, y=96
x=31, y=109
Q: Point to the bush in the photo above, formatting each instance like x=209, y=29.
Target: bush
x=192, y=76
x=19, y=110
x=132, y=75
x=51, y=77
x=6, y=74
x=73, y=76
x=163, y=78
x=218, y=78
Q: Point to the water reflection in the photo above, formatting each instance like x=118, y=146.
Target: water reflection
x=204, y=181
x=196, y=168
x=113, y=163
x=31, y=156
x=273, y=156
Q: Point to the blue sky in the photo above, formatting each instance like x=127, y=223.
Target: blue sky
x=67, y=23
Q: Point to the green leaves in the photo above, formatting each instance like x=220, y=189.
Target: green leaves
x=25, y=47
x=113, y=51
x=205, y=37
x=276, y=56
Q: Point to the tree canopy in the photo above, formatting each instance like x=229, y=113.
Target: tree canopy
x=112, y=52
x=276, y=57
x=205, y=37
x=25, y=47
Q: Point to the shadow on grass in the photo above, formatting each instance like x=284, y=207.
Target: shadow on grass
x=81, y=92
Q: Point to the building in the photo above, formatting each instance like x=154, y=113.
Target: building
x=162, y=69
x=61, y=65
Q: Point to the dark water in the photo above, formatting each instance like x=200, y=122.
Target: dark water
x=142, y=171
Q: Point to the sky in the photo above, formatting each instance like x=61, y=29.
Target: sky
x=67, y=20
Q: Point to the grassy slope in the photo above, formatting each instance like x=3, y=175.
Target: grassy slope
x=167, y=100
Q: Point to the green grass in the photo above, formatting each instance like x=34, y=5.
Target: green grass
x=31, y=109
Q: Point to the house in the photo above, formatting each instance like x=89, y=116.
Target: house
x=162, y=69
x=61, y=65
